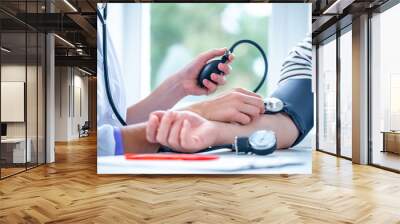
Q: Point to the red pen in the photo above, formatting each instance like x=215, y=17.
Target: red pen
x=159, y=156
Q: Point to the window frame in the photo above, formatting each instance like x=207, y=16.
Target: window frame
x=335, y=36
x=339, y=29
x=379, y=10
x=27, y=29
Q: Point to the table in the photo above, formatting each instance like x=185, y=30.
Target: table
x=297, y=160
x=17, y=151
x=391, y=141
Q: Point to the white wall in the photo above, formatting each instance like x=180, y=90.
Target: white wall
x=61, y=103
x=67, y=115
x=80, y=83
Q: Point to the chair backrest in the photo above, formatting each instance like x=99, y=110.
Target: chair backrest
x=86, y=125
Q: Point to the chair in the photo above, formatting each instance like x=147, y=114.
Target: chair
x=84, y=129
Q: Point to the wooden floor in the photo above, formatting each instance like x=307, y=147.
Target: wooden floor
x=70, y=191
x=10, y=171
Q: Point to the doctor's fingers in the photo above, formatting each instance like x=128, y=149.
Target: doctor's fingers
x=241, y=118
x=249, y=110
x=252, y=100
x=246, y=92
x=164, y=128
x=226, y=69
x=211, y=87
x=219, y=79
x=151, y=128
x=231, y=57
x=208, y=55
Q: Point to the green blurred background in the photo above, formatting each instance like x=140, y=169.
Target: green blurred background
x=179, y=32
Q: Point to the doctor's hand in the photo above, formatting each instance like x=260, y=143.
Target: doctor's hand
x=188, y=75
x=238, y=106
x=182, y=131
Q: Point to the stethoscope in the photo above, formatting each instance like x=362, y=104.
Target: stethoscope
x=262, y=142
x=105, y=65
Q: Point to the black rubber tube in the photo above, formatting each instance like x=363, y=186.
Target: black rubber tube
x=261, y=83
x=105, y=67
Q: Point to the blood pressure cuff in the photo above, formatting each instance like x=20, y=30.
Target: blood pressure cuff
x=298, y=104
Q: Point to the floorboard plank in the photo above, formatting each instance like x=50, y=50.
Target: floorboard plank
x=70, y=191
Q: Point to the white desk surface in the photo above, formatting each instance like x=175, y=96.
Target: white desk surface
x=13, y=140
x=291, y=161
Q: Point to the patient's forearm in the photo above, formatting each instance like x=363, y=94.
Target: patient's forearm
x=284, y=128
x=134, y=139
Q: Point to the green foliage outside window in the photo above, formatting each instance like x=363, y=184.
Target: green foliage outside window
x=199, y=27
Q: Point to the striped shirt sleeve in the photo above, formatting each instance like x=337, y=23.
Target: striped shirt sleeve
x=298, y=64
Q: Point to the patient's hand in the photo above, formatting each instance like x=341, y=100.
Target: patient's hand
x=239, y=106
x=188, y=75
x=181, y=130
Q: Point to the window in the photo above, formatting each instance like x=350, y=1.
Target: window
x=15, y=155
x=327, y=96
x=22, y=88
x=385, y=89
x=346, y=94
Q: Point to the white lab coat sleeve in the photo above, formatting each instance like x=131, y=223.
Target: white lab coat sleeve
x=105, y=140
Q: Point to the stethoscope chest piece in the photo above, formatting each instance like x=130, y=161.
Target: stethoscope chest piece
x=273, y=105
